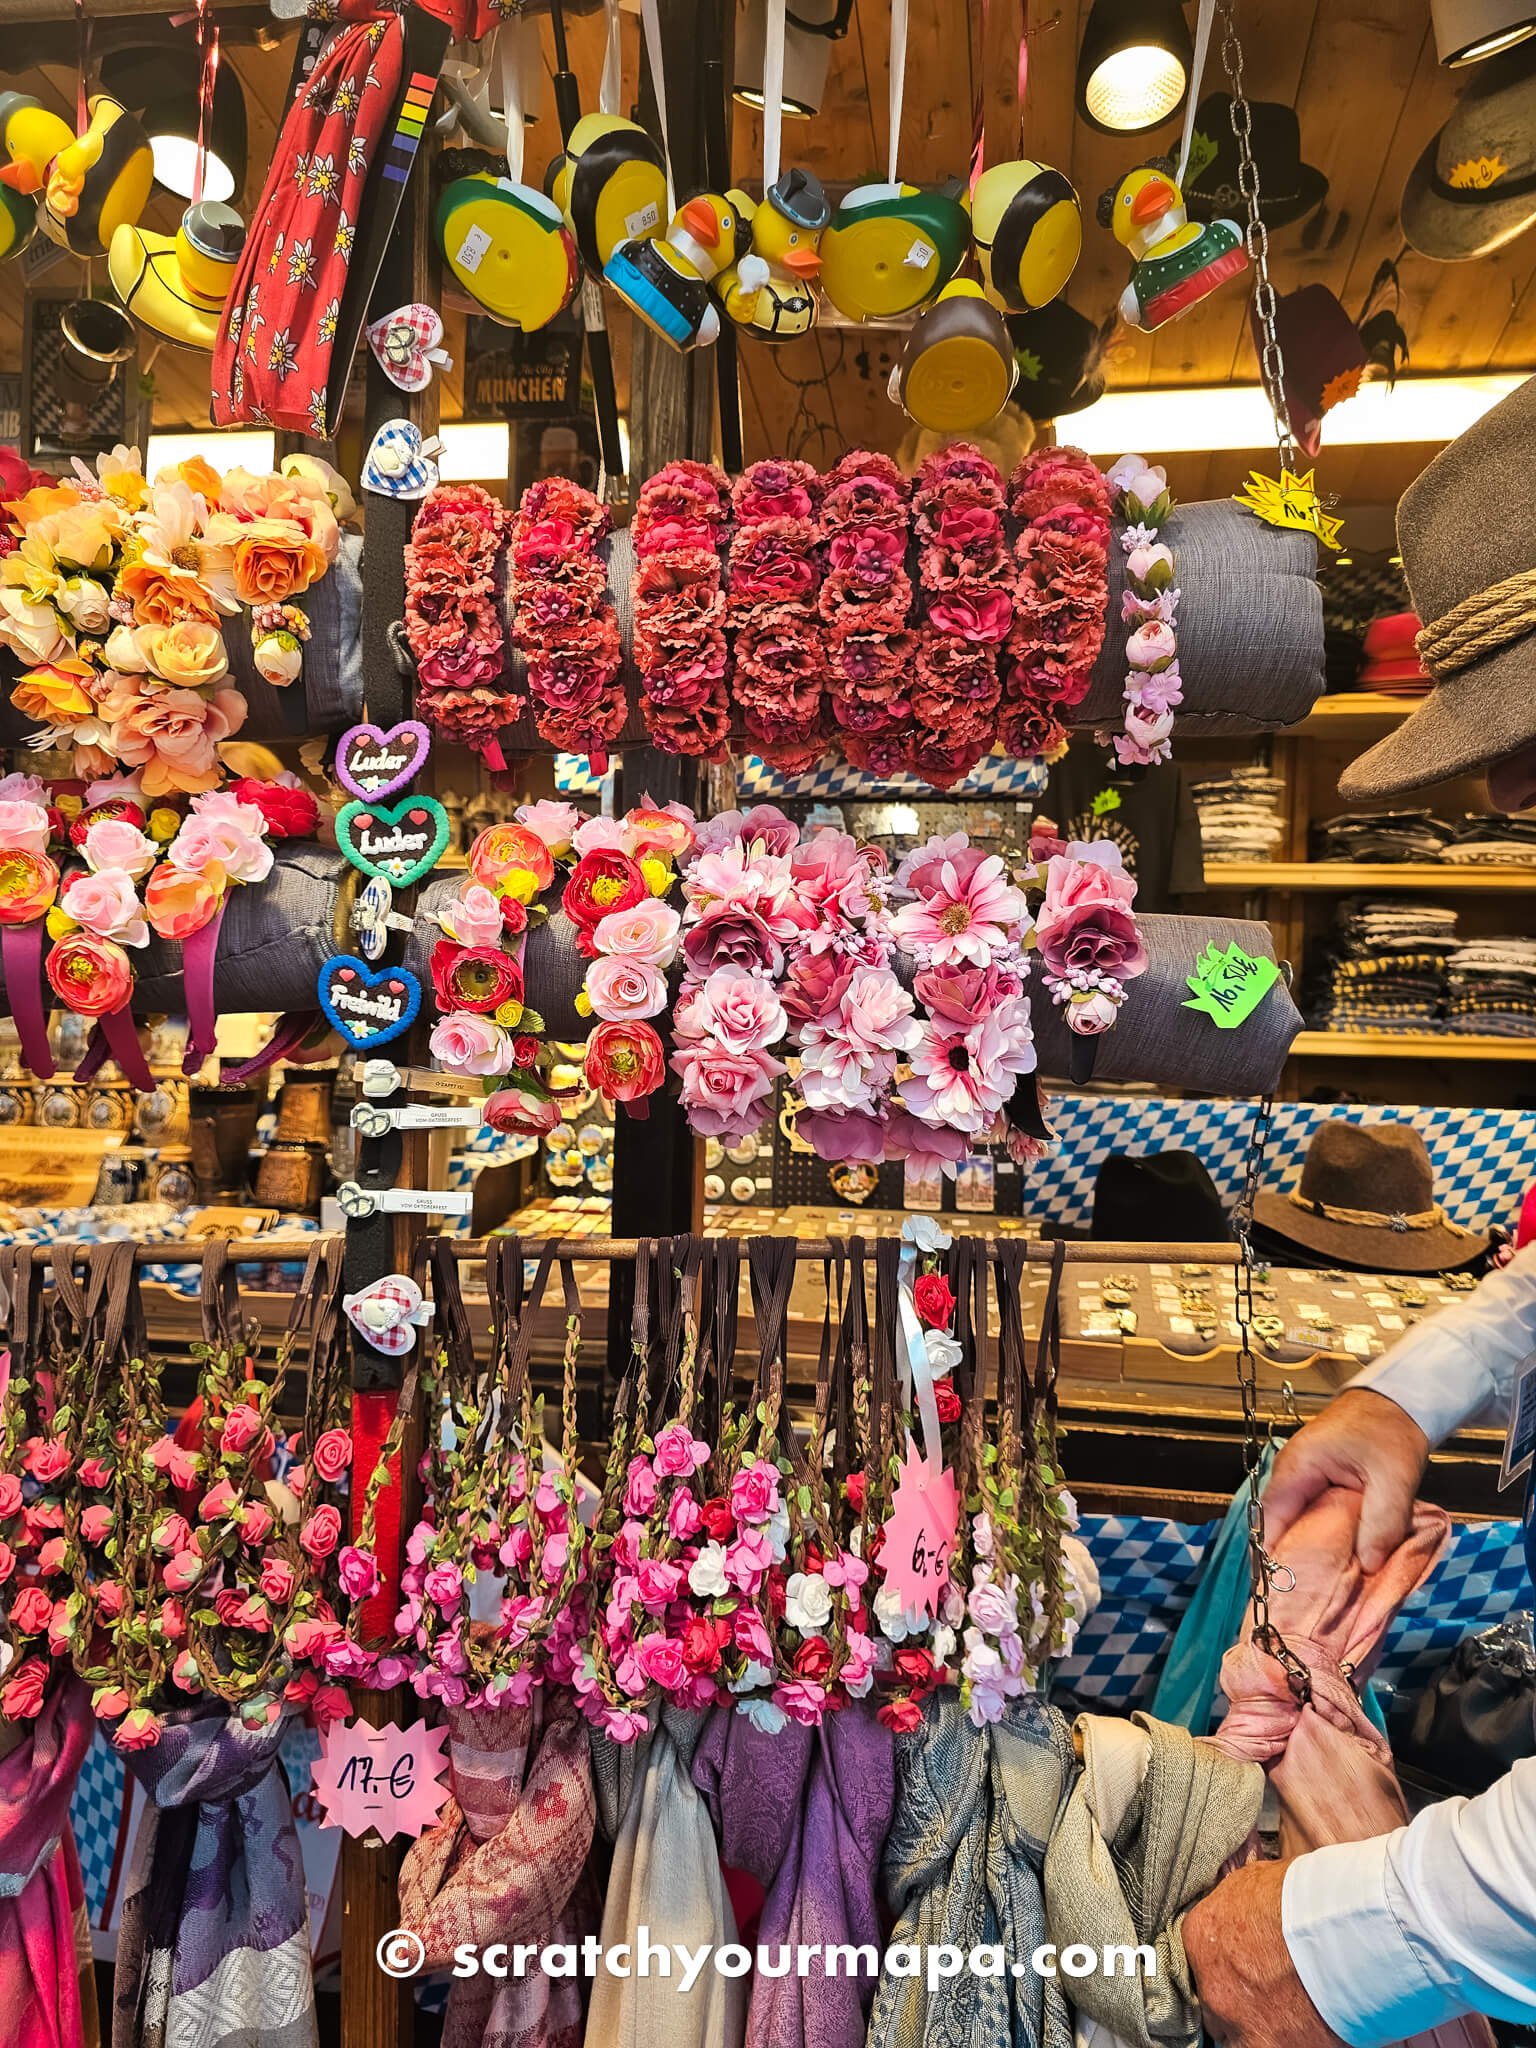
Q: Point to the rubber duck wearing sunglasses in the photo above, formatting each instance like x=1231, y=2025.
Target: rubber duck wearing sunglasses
x=771, y=291
x=1177, y=262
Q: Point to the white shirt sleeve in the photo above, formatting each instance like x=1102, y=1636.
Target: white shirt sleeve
x=1391, y=1937
x=1461, y=1365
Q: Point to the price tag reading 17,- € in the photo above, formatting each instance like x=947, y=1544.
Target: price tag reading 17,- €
x=380, y=1781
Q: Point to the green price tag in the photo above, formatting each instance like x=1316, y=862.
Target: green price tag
x=1229, y=986
x=1106, y=801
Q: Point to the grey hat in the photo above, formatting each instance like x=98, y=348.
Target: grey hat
x=1466, y=530
x=1474, y=188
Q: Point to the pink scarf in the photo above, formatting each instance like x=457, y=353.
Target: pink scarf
x=47, y=1988
x=1331, y=1768
x=502, y=1865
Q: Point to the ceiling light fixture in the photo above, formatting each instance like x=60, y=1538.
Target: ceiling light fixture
x=1201, y=419
x=1133, y=67
x=810, y=29
x=159, y=82
x=1466, y=31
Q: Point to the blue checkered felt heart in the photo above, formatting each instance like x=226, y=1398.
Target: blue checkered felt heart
x=400, y=464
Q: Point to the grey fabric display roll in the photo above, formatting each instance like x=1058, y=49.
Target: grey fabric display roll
x=329, y=695
x=275, y=938
x=1156, y=1040
x=1250, y=628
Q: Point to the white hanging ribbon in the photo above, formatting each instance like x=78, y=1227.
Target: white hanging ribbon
x=773, y=94
x=650, y=21
x=916, y=1373
x=508, y=48
x=1203, y=22
x=612, y=83
x=899, y=10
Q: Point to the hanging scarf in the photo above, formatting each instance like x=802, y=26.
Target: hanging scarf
x=974, y=1810
x=214, y=1943
x=665, y=1877
x=1151, y=1819
x=47, y=1982
x=804, y=1812
x=1330, y=1767
x=504, y=1863
x=273, y=360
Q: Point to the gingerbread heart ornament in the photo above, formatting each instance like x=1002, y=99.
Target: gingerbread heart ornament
x=368, y=1007
x=400, y=842
x=375, y=762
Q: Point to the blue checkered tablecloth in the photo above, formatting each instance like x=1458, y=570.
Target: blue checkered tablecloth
x=1148, y=1569
x=995, y=776
x=1484, y=1159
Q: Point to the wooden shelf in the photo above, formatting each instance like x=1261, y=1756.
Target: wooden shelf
x=1343, y=710
x=1408, y=1045
x=1443, y=876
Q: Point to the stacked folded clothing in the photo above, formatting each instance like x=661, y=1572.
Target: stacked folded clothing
x=1492, y=988
x=1240, y=817
x=1384, y=968
x=1493, y=841
x=1381, y=836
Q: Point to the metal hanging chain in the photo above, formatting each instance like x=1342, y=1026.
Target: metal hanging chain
x=1256, y=240
x=1263, y=1572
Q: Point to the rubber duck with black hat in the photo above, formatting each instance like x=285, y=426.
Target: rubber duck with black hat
x=1177, y=262
x=771, y=291
x=666, y=278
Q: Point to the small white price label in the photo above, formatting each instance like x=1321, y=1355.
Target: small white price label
x=470, y=253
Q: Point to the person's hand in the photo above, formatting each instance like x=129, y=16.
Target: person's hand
x=1248, y=1986
x=1361, y=1440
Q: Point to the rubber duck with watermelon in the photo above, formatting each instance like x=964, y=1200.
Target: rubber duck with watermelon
x=508, y=248
x=771, y=291
x=1177, y=262
x=666, y=279
x=891, y=248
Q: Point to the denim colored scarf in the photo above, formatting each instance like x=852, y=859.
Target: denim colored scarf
x=805, y=1812
x=974, y=1810
x=47, y=1984
x=213, y=1951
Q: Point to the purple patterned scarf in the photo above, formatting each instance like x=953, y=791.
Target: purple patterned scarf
x=805, y=1812
x=214, y=1944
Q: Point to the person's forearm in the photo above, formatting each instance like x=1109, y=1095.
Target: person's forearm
x=1393, y=1936
x=1460, y=1366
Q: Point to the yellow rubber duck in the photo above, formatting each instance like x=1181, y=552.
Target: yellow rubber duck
x=1027, y=223
x=509, y=249
x=99, y=181
x=30, y=139
x=771, y=291
x=611, y=185
x=666, y=278
x=177, y=285
x=958, y=368
x=1177, y=262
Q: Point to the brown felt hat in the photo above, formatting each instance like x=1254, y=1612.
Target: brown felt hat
x=1466, y=530
x=1367, y=1197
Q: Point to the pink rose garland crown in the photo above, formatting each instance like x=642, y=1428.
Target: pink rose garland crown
x=778, y=655
x=966, y=578
x=1085, y=929
x=1061, y=589
x=453, y=618
x=679, y=608
x=563, y=620
x=1149, y=605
